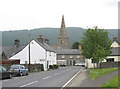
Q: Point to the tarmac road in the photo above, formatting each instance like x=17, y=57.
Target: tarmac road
x=53, y=78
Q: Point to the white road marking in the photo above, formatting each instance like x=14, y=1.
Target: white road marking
x=71, y=79
x=57, y=74
x=47, y=77
x=29, y=84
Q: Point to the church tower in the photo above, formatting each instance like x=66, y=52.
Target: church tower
x=63, y=37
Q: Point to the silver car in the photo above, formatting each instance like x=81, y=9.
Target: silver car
x=18, y=70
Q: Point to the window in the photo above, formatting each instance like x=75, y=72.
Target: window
x=110, y=60
x=63, y=56
x=78, y=56
x=22, y=67
x=0, y=69
x=49, y=53
x=4, y=69
x=71, y=56
x=93, y=61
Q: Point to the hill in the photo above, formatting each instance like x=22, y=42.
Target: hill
x=74, y=33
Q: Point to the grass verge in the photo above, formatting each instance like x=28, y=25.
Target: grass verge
x=95, y=73
x=114, y=82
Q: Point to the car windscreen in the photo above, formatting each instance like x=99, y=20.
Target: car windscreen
x=15, y=67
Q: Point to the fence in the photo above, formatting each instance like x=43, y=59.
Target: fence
x=110, y=64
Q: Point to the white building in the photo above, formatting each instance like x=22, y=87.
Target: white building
x=40, y=53
x=113, y=57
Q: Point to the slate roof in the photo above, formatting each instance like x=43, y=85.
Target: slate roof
x=11, y=50
x=115, y=51
x=45, y=46
x=68, y=51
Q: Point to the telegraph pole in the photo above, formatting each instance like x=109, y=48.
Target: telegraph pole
x=29, y=52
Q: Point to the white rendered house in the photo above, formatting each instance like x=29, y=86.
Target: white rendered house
x=40, y=53
x=113, y=57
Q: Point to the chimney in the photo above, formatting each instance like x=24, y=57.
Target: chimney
x=17, y=43
x=40, y=39
x=46, y=41
x=115, y=39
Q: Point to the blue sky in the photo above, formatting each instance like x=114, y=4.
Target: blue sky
x=29, y=14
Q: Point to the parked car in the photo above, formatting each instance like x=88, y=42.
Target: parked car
x=80, y=64
x=18, y=70
x=4, y=73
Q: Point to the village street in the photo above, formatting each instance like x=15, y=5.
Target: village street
x=53, y=78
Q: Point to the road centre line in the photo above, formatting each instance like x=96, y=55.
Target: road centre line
x=47, y=77
x=71, y=79
x=29, y=84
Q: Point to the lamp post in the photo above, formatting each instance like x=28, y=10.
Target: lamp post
x=29, y=51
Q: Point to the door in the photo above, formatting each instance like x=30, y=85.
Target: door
x=73, y=62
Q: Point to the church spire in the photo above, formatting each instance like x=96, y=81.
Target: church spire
x=63, y=22
x=63, y=37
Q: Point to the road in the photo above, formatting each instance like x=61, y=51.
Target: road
x=53, y=78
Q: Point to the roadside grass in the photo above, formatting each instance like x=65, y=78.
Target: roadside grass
x=95, y=73
x=114, y=82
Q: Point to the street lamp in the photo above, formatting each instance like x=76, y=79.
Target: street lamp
x=29, y=51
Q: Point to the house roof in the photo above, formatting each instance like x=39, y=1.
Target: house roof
x=68, y=51
x=12, y=50
x=45, y=46
x=115, y=51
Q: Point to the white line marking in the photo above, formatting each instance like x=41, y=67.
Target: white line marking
x=47, y=77
x=71, y=79
x=28, y=84
x=57, y=74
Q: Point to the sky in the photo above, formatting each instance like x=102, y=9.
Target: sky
x=29, y=14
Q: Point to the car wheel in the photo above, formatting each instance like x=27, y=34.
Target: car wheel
x=21, y=74
x=10, y=76
x=26, y=73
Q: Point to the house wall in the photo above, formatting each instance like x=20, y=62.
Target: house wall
x=115, y=44
x=68, y=59
x=51, y=58
x=91, y=65
x=37, y=55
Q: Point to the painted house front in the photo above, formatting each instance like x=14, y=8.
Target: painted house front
x=113, y=57
x=40, y=53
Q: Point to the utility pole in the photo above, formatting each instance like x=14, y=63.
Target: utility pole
x=29, y=52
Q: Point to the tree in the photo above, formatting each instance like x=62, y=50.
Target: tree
x=96, y=44
x=75, y=45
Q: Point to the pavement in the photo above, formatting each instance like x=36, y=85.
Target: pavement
x=82, y=79
x=53, y=78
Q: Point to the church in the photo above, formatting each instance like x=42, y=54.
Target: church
x=65, y=55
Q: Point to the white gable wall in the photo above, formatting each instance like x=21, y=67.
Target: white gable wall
x=37, y=55
x=115, y=44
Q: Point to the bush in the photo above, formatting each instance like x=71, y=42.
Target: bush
x=63, y=65
x=53, y=66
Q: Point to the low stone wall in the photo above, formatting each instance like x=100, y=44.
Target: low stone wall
x=110, y=64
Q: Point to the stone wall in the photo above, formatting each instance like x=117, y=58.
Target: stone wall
x=110, y=64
